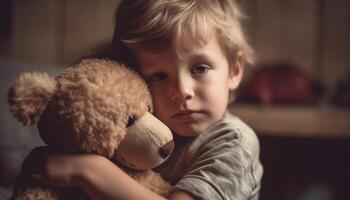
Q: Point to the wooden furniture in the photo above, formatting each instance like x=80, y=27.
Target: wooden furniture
x=304, y=150
x=296, y=121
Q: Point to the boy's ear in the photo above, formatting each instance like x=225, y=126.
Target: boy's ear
x=236, y=71
x=29, y=96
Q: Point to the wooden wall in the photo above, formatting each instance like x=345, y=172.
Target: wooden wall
x=314, y=34
x=60, y=31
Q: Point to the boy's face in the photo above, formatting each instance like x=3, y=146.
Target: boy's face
x=190, y=91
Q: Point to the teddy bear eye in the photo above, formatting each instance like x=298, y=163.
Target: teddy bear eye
x=131, y=120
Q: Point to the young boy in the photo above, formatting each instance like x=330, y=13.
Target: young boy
x=191, y=53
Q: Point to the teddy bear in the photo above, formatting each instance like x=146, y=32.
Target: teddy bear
x=97, y=106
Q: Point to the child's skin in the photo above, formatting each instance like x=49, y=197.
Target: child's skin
x=190, y=91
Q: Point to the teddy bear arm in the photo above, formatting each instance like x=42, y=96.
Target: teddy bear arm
x=36, y=193
x=45, y=192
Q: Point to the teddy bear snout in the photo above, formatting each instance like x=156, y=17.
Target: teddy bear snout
x=166, y=149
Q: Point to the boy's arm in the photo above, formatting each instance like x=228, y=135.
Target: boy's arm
x=116, y=184
x=180, y=195
x=97, y=176
x=101, y=179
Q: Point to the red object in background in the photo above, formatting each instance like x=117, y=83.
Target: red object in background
x=279, y=83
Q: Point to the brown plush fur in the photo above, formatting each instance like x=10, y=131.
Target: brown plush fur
x=30, y=92
x=84, y=110
x=91, y=98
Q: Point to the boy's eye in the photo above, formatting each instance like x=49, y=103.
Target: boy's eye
x=158, y=76
x=199, y=69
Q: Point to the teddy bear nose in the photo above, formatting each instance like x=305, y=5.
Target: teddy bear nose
x=165, y=150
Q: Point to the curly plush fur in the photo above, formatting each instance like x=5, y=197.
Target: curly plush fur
x=86, y=109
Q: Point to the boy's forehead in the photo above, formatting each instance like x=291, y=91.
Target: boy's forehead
x=190, y=42
x=184, y=46
x=181, y=51
x=148, y=57
x=186, y=40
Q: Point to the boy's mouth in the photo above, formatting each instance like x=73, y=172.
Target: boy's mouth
x=186, y=115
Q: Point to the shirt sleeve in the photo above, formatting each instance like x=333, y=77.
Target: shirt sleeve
x=222, y=169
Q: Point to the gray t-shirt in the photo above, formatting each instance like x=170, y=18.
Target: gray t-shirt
x=221, y=163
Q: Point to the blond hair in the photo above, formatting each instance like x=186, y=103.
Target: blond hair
x=154, y=25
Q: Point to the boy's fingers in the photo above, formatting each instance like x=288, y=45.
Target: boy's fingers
x=38, y=178
x=42, y=179
x=35, y=161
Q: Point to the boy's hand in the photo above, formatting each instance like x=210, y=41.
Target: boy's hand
x=44, y=165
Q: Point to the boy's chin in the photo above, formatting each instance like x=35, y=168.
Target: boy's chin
x=187, y=134
x=188, y=131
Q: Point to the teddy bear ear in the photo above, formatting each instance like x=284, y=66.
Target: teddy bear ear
x=29, y=96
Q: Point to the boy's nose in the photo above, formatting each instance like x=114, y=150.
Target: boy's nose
x=182, y=90
x=181, y=96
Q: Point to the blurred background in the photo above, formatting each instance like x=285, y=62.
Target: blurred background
x=296, y=96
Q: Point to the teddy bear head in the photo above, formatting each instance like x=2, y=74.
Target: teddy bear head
x=97, y=106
